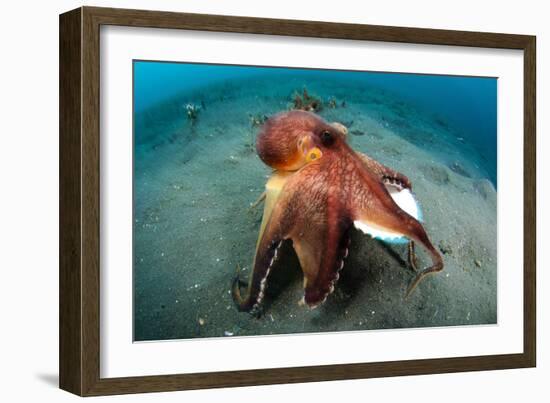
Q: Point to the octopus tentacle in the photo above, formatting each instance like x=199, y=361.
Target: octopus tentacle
x=377, y=209
x=388, y=216
x=412, y=256
x=321, y=284
x=387, y=175
x=437, y=265
x=258, y=280
x=416, y=232
x=321, y=233
x=318, y=226
x=259, y=200
x=275, y=225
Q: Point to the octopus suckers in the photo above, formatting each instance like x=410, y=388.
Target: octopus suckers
x=262, y=284
x=312, y=307
x=263, y=281
x=394, y=182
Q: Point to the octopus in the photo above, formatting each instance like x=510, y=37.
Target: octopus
x=319, y=190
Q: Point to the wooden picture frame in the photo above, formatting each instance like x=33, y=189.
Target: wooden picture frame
x=80, y=184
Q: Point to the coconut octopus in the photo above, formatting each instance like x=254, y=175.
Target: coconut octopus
x=319, y=190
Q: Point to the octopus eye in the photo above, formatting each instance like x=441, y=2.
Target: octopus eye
x=327, y=138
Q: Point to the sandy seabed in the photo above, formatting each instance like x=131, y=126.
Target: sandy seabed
x=194, y=184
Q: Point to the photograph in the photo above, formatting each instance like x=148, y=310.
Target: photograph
x=252, y=199
x=270, y=200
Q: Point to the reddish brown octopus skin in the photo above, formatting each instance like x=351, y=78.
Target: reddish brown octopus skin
x=277, y=142
x=319, y=203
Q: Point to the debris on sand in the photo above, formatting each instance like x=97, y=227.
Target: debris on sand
x=257, y=119
x=445, y=248
x=435, y=173
x=306, y=102
x=192, y=112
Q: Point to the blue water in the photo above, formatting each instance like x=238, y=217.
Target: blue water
x=467, y=104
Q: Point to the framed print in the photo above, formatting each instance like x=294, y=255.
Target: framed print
x=249, y=201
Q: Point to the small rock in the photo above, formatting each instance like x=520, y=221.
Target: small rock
x=485, y=188
x=459, y=169
x=477, y=262
x=435, y=173
x=445, y=248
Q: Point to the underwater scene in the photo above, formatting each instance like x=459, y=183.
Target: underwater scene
x=273, y=200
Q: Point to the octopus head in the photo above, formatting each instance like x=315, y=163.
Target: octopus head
x=290, y=140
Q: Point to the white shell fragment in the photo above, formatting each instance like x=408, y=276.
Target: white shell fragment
x=405, y=200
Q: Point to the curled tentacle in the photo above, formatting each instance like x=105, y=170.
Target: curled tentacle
x=437, y=264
